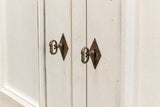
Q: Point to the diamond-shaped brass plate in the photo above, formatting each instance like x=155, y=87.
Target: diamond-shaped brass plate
x=64, y=48
x=97, y=55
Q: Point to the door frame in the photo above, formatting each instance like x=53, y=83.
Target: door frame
x=129, y=55
x=129, y=52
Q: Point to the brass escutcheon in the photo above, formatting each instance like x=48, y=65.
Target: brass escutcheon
x=93, y=52
x=54, y=46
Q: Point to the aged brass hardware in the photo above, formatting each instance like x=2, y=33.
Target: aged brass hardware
x=93, y=52
x=62, y=46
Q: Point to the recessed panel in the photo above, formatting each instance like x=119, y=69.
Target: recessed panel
x=5, y=101
x=22, y=48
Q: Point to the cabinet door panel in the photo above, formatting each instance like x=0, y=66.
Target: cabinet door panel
x=22, y=48
x=78, y=41
x=103, y=18
x=58, y=72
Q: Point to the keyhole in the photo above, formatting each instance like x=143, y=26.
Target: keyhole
x=95, y=54
x=63, y=48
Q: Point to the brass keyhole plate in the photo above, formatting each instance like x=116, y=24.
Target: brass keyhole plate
x=97, y=55
x=64, y=48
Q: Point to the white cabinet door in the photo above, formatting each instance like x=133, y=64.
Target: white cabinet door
x=149, y=54
x=100, y=20
x=79, y=74
x=103, y=18
x=19, y=40
x=58, y=71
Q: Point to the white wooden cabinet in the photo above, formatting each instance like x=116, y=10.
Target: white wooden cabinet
x=33, y=77
x=100, y=86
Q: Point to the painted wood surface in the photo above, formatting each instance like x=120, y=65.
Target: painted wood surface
x=78, y=42
x=149, y=54
x=104, y=21
x=129, y=52
x=58, y=72
x=68, y=82
x=20, y=64
x=8, y=102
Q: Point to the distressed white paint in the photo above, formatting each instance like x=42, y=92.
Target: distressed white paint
x=2, y=41
x=104, y=21
x=58, y=72
x=129, y=52
x=5, y=101
x=149, y=54
x=18, y=97
x=42, y=61
x=22, y=47
x=78, y=42
x=58, y=21
x=19, y=41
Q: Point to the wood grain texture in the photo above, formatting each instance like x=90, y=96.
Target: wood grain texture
x=149, y=54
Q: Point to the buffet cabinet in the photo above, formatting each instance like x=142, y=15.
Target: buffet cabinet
x=61, y=53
